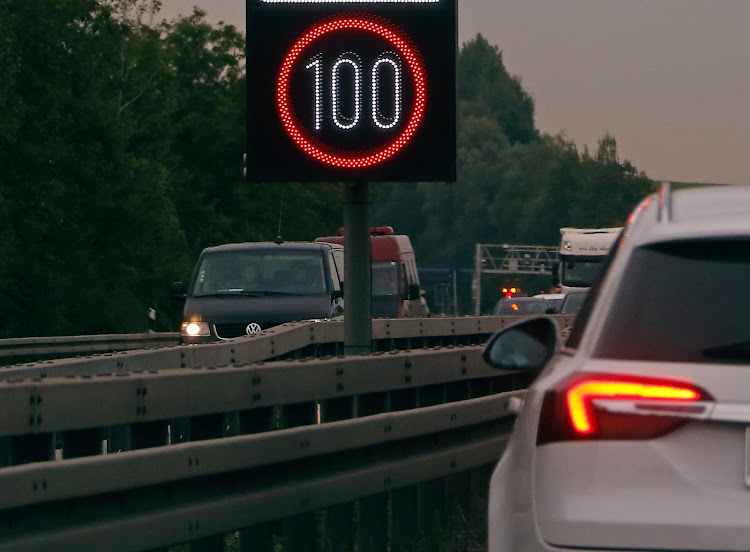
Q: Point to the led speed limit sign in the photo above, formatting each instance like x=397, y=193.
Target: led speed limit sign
x=351, y=90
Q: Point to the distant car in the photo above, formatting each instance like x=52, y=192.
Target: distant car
x=554, y=300
x=243, y=288
x=634, y=433
x=573, y=301
x=521, y=306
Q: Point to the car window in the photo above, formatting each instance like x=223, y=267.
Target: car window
x=682, y=302
x=384, y=278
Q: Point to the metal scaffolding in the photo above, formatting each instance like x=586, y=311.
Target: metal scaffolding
x=510, y=259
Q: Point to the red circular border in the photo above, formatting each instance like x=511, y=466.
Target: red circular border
x=379, y=27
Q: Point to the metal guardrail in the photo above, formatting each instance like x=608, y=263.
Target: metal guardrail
x=145, y=449
x=35, y=348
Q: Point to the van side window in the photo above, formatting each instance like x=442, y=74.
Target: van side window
x=336, y=267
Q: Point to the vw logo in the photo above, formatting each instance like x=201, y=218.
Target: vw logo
x=252, y=328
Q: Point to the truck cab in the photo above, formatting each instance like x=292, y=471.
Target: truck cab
x=582, y=252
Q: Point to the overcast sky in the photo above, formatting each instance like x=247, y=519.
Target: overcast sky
x=670, y=79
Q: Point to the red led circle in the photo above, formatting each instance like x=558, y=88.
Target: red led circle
x=379, y=27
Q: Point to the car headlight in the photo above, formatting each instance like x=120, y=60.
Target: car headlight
x=194, y=329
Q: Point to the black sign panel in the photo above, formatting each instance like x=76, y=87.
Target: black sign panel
x=351, y=90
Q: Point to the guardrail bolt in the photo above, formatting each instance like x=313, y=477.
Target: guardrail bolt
x=407, y=379
x=453, y=464
x=339, y=371
x=339, y=387
x=38, y=420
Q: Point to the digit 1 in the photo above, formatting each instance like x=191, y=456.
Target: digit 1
x=317, y=65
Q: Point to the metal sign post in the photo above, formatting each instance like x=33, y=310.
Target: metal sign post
x=357, y=270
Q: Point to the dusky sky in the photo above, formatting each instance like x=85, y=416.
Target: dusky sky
x=669, y=79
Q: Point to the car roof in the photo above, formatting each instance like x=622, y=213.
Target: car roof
x=254, y=246
x=701, y=212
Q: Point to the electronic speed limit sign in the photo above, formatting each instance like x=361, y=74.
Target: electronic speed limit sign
x=351, y=90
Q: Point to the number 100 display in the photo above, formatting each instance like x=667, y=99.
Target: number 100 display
x=351, y=90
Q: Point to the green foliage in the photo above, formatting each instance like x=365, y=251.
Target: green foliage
x=122, y=142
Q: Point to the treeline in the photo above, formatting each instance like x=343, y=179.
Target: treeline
x=121, y=142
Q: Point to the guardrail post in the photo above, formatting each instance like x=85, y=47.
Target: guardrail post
x=372, y=534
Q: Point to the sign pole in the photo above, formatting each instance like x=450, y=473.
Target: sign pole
x=357, y=269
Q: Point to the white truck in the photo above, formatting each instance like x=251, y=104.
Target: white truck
x=582, y=252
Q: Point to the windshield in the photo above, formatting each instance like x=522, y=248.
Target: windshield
x=260, y=272
x=682, y=302
x=580, y=272
x=384, y=278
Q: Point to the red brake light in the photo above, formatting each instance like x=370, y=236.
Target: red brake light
x=615, y=407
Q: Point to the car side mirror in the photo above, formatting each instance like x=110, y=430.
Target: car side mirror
x=337, y=294
x=177, y=290
x=526, y=346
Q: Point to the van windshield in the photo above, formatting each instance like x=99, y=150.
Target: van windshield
x=260, y=272
x=384, y=278
x=581, y=271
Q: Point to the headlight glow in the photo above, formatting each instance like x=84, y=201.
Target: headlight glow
x=195, y=328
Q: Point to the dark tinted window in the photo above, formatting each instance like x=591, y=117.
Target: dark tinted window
x=684, y=302
x=573, y=302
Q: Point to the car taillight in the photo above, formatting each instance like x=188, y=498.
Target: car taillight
x=591, y=406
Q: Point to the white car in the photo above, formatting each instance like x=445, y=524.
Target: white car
x=635, y=434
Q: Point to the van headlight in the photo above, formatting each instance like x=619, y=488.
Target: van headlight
x=194, y=329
